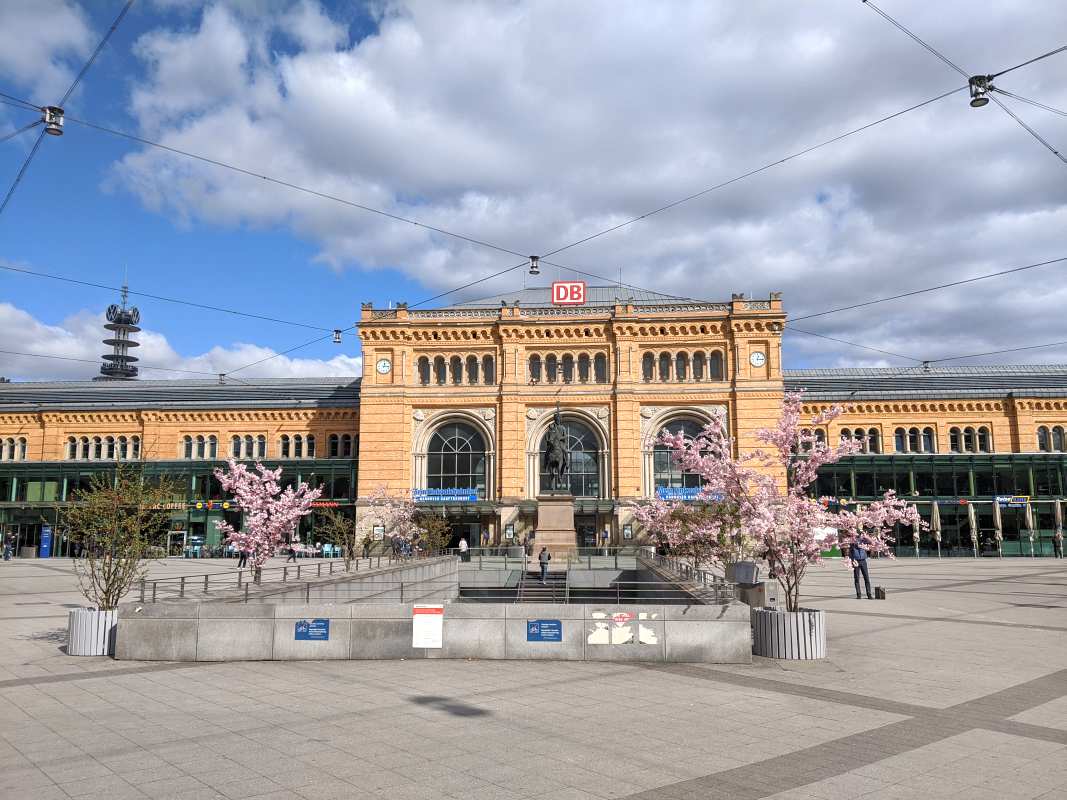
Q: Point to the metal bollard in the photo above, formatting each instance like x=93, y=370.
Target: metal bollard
x=285, y=574
x=205, y=584
x=142, y=590
x=239, y=574
x=298, y=572
x=246, y=592
x=181, y=591
x=307, y=594
x=331, y=567
x=319, y=566
x=154, y=585
x=401, y=591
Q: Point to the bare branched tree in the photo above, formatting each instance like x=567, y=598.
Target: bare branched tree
x=116, y=520
x=339, y=528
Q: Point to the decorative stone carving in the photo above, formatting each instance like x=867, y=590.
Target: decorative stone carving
x=488, y=413
x=602, y=413
x=533, y=413
x=649, y=413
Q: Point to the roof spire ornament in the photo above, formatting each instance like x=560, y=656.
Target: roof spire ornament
x=122, y=321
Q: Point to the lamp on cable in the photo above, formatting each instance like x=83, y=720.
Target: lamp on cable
x=980, y=86
x=52, y=117
x=336, y=335
x=534, y=268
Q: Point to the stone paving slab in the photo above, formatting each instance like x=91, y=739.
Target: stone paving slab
x=953, y=687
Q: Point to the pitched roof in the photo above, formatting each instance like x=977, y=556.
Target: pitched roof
x=206, y=394
x=932, y=383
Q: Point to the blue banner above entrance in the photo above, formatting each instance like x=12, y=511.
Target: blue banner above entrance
x=444, y=495
x=672, y=493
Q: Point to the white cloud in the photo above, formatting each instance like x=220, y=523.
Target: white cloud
x=78, y=337
x=42, y=43
x=532, y=124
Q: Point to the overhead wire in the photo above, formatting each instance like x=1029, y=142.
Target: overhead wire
x=22, y=171
x=91, y=361
x=929, y=48
x=96, y=52
x=18, y=102
x=23, y=129
x=76, y=281
x=851, y=344
x=296, y=187
x=1028, y=129
x=1029, y=62
x=1014, y=96
x=995, y=352
x=752, y=172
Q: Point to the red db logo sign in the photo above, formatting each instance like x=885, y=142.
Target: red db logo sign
x=568, y=293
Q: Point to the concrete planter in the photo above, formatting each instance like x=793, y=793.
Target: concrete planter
x=91, y=632
x=742, y=572
x=798, y=635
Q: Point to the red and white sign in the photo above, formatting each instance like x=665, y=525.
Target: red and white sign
x=568, y=293
x=427, y=624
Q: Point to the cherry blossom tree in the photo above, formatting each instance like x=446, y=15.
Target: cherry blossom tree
x=784, y=524
x=269, y=512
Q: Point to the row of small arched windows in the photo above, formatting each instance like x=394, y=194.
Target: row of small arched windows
x=106, y=448
x=568, y=369
x=457, y=370
x=12, y=449
x=248, y=446
x=869, y=440
x=970, y=440
x=1050, y=440
x=914, y=440
x=682, y=367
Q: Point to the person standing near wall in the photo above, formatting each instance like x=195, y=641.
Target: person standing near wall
x=1057, y=544
x=543, y=558
x=858, y=555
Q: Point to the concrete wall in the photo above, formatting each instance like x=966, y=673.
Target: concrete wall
x=240, y=632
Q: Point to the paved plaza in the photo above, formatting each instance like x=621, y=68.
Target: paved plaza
x=953, y=687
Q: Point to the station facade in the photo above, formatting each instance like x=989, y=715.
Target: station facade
x=454, y=403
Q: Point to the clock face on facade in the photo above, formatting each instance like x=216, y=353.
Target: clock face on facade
x=384, y=365
x=757, y=359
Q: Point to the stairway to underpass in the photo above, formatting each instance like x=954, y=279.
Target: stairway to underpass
x=532, y=590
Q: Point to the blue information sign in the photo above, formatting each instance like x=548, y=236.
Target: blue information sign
x=672, y=493
x=544, y=630
x=444, y=495
x=45, y=550
x=312, y=630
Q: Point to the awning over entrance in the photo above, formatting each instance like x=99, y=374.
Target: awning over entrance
x=581, y=506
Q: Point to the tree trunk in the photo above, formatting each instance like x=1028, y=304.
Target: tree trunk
x=257, y=575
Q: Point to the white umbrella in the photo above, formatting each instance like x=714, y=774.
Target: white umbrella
x=972, y=519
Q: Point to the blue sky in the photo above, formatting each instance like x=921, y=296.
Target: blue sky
x=530, y=125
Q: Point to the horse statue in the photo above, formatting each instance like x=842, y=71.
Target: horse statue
x=555, y=460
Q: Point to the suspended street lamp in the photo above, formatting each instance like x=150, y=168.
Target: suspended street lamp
x=980, y=86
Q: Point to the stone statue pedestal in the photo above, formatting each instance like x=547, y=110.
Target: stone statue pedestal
x=555, y=525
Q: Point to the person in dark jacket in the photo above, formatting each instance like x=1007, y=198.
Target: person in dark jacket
x=858, y=554
x=543, y=558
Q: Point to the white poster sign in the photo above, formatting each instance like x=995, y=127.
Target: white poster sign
x=427, y=624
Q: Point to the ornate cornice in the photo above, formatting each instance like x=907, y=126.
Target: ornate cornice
x=917, y=407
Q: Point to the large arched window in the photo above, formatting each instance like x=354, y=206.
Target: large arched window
x=583, y=368
x=334, y=445
x=283, y=451
x=472, y=369
x=665, y=472
x=874, y=444
x=681, y=367
x=84, y=444
x=455, y=459
x=346, y=446
x=235, y=446
x=298, y=446
x=310, y=442
x=985, y=444
x=72, y=448
x=124, y=448
x=584, y=460
x=1057, y=439
x=955, y=440
x=900, y=440
x=200, y=447
x=440, y=371
x=424, y=370
x=488, y=370
x=551, y=368
x=535, y=369
x=664, y=366
x=455, y=368
x=929, y=443
x=261, y=446
x=567, y=367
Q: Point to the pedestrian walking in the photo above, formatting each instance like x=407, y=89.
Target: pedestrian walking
x=1057, y=544
x=242, y=559
x=543, y=558
x=463, y=548
x=9, y=547
x=366, y=547
x=292, y=554
x=858, y=554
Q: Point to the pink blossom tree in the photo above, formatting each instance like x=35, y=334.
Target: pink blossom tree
x=787, y=526
x=268, y=511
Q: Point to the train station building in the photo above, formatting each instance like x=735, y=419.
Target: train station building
x=454, y=403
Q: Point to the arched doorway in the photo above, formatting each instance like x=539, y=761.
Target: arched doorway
x=456, y=459
x=666, y=473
